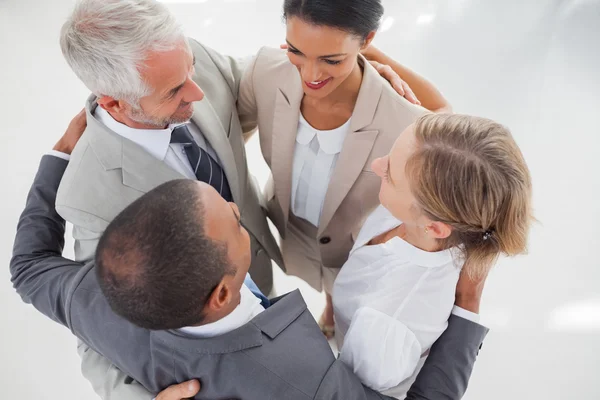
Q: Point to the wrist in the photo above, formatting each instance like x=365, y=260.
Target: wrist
x=469, y=302
x=62, y=147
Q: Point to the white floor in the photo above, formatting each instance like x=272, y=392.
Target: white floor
x=531, y=64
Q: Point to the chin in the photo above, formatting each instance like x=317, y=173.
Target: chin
x=183, y=116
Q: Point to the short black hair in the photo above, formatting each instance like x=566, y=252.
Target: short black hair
x=154, y=262
x=358, y=17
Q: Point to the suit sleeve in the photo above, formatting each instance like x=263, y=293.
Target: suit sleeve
x=234, y=70
x=107, y=380
x=445, y=375
x=246, y=101
x=39, y=273
x=86, y=239
x=46, y=280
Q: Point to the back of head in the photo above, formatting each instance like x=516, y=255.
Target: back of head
x=469, y=173
x=154, y=263
x=106, y=42
x=358, y=17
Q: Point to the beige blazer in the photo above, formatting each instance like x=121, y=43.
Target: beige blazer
x=107, y=172
x=270, y=96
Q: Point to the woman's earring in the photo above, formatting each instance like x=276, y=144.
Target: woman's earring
x=426, y=231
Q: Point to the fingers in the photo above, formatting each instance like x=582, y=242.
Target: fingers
x=79, y=120
x=409, y=94
x=180, y=391
x=398, y=85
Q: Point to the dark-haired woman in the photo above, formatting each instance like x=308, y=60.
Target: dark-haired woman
x=324, y=114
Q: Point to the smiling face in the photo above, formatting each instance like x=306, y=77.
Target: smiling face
x=325, y=57
x=169, y=75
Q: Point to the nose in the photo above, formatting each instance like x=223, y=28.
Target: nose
x=194, y=92
x=310, y=72
x=378, y=166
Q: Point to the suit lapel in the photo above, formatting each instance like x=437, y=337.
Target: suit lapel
x=140, y=170
x=357, y=145
x=215, y=133
x=285, y=128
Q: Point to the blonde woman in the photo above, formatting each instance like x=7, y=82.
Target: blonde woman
x=455, y=194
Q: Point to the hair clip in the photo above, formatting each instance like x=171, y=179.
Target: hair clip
x=487, y=234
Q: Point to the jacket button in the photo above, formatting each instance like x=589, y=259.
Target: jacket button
x=325, y=240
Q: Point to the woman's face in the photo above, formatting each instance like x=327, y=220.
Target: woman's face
x=324, y=56
x=395, y=193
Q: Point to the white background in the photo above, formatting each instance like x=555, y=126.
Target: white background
x=533, y=65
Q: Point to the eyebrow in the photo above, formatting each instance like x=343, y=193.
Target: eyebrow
x=177, y=88
x=327, y=56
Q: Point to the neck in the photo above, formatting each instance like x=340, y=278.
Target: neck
x=415, y=236
x=125, y=120
x=211, y=317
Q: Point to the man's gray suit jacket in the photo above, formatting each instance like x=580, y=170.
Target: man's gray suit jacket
x=280, y=354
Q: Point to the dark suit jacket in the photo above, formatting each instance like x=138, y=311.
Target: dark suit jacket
x=280, y=354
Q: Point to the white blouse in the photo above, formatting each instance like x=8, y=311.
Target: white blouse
x=391, y=303
x=315, y=156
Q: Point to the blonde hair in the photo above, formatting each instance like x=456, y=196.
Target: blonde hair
x=469, y=173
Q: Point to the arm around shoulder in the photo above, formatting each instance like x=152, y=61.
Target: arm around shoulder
x=108, y=381
x=40, y=275
x=445, y=375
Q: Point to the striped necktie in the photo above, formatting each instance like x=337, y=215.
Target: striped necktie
x=204, y=166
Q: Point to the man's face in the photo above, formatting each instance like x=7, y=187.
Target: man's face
x=169, y=75
x=222, y=224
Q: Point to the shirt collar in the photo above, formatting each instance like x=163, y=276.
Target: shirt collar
x=330, y=142
x=420, y=257
x=248, y=308
x=154, y=141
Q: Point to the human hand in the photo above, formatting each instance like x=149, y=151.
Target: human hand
x=67, y=142
x=397, y=83
x=469, y=291
x=180, y=391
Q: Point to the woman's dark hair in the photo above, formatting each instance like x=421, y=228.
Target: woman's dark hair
x=358, y=17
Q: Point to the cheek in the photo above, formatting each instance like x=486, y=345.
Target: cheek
x=383, y=193
x=342, y=70
x=294, y=59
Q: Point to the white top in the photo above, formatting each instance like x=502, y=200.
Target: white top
x=315, y=156
x=391, y=302
x=248, y=308
x=157, y=142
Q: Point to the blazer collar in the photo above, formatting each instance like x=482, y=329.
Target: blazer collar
x=271, y=322
x=357, y=145
x=140, y=170
x=355, y=150
x=143, y=171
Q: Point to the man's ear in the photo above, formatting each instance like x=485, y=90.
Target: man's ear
x=111, y=105
x=220, y=297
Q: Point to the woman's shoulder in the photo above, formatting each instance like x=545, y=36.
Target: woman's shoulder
x=270, y=63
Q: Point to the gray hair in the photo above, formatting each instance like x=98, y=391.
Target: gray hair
x=107, y=41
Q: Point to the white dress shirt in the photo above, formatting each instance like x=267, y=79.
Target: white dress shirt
x=248, y=308
x=157, y=142
x=315, y=157
x=391, y=303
